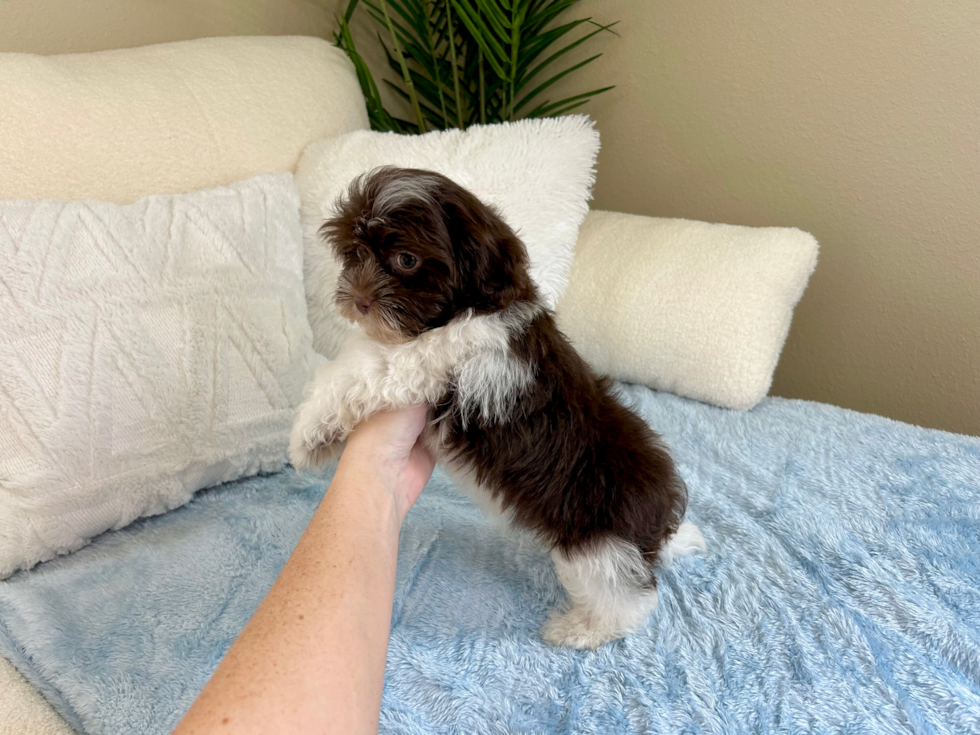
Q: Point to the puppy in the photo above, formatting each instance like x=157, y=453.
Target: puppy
x=438, y=285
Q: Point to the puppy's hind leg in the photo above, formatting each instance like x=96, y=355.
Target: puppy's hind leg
x=611, y=590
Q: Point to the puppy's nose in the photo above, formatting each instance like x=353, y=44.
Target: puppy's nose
x=363, y=303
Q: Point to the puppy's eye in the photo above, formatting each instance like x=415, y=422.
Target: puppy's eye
x=361, y=254
x=406, y=261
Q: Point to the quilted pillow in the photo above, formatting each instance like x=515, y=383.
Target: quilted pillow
x=146, y=351
x=538, y=173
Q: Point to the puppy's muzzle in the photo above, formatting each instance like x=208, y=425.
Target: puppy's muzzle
x=363, y=303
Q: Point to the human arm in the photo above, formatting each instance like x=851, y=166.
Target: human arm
x=312, y=658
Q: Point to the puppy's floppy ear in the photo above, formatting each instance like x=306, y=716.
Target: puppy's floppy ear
x=491, y=261
x=346, y=228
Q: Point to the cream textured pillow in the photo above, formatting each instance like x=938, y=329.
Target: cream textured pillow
x=539, y=174
x=146, y=351
x=171, y=118
x=696, y=309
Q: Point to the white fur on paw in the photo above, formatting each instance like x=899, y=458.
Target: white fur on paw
x=310, y=445
x=305, y=457
x=577, y=629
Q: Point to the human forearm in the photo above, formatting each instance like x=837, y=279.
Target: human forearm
x=312, y=658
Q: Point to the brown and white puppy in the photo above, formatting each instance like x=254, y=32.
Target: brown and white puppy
x=439, y=285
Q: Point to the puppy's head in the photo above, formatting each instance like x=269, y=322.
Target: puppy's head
x=417, y=249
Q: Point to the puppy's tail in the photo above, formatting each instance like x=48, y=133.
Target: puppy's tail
x=688, y=540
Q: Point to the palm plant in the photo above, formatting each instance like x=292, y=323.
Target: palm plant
x=461, y=62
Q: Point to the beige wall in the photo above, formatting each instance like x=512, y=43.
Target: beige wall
x=857, y=121
x=68, y=26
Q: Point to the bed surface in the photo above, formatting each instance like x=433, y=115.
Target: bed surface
x=840, y=593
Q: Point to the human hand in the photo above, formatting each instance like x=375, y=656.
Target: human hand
x=388, y=443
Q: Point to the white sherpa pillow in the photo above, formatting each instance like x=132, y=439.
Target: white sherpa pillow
x=146, y=351
x=538, y=173
x=696, y=309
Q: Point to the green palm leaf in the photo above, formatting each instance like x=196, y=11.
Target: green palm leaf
x=460, y=62
x=545, y=109
x=484, y=37
x=529, y=75
x=544, y=85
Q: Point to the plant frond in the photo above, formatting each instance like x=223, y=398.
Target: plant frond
x=460, y=62
x=544, y=109
x=528, y=75
x=547, y=83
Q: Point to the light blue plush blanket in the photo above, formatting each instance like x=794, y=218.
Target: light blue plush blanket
x=840, y=593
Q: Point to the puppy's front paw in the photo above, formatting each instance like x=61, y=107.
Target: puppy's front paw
x=307, y=457
x=312, y=443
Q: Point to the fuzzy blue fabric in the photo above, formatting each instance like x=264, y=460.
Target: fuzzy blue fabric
x=840, y=593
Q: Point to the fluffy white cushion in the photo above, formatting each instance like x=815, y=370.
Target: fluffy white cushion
x=697, y=309
x=147, y=351
x=539, y=174
x=176, y=117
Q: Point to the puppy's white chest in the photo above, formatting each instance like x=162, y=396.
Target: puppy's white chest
x=472, y=357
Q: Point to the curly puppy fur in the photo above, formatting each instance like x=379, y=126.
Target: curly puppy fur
x=439, y=285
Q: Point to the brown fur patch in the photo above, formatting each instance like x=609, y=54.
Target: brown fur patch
x=571, y=463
